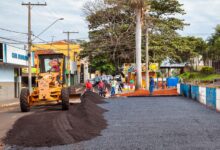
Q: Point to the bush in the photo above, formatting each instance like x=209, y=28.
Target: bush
x=193, y=75
x=207, y=70
x=185, y=75
x=158, y=74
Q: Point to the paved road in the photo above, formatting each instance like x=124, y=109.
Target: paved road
x=159, y=123
x=7, y=118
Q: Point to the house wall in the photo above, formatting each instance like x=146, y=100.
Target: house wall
x=7, y=83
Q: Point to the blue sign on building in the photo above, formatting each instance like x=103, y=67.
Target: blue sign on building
x=19, y=56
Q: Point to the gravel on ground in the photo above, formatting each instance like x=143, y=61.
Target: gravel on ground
x=52, y=127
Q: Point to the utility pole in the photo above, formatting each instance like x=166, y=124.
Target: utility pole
x=29, y=5
x=68, y=57
x=52, y=38
x=147, y=47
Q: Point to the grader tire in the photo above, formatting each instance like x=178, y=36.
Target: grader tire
x=65, y=98
x=24, y=105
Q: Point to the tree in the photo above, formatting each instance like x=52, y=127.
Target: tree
x=112, y=25
x=111, y=31
x=102, y=64
x=202, y=49
x=138, y=6
x=213, y=51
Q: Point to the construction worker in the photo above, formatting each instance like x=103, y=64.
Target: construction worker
x=88, y=86
x=101, y=88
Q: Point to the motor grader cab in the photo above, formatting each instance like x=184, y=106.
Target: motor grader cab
x=50, y=81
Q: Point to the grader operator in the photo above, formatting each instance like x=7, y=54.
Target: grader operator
x=51, y=83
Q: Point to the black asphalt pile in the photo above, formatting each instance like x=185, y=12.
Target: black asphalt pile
x=95, y=98
x=49, y=128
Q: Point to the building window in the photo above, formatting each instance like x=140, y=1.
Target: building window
x=1, y=52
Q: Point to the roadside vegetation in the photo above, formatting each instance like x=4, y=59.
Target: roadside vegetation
x=112, y=36
x=206, y=74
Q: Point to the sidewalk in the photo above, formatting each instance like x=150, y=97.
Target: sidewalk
x=9, y=102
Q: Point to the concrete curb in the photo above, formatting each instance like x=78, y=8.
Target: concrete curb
x=9, y=104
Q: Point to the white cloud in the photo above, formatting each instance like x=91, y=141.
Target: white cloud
x=202, y=15
x=14, y=16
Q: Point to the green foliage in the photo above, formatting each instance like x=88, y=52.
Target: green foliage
x=207, y=70
x=159, y=74
x=198, y=76
x=193, y=75
x=185, y=75
x=112, y=26
x=102, y=64
x=213, y=51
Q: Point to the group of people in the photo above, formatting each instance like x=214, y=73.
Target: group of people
x=114, y=84
x=102, y=86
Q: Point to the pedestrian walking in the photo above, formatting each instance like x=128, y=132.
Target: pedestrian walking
x=113, y=86
x=151, y=88
x=97, y=79
x=120, y=86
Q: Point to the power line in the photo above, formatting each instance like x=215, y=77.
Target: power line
x=29, y=5
x=16, y=47
x=21, y=42
x=14, y=43
x=17, y=36
x=8, y=30
x=48, y=43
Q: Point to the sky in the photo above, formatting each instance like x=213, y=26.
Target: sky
x=202, y=15
x=14, y=16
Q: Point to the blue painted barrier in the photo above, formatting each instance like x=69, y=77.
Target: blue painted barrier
x=185, y=90
x=195, y=92
x=205, y=95
x=211, y=97
x=181, y=89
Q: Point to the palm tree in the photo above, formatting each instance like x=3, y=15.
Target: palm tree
x=138, y=5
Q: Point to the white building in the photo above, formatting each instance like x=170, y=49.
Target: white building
x=83, y=72
x=12, y=59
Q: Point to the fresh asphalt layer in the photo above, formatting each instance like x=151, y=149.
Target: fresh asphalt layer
x=155, y=123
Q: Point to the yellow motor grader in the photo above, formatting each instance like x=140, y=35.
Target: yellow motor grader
x=51, y=83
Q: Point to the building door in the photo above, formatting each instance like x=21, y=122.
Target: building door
x=1, y=52
x=17, y=82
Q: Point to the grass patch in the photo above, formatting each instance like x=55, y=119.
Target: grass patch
x=198, y=76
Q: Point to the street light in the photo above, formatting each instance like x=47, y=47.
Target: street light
x=48, y=27
x=29, y=49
